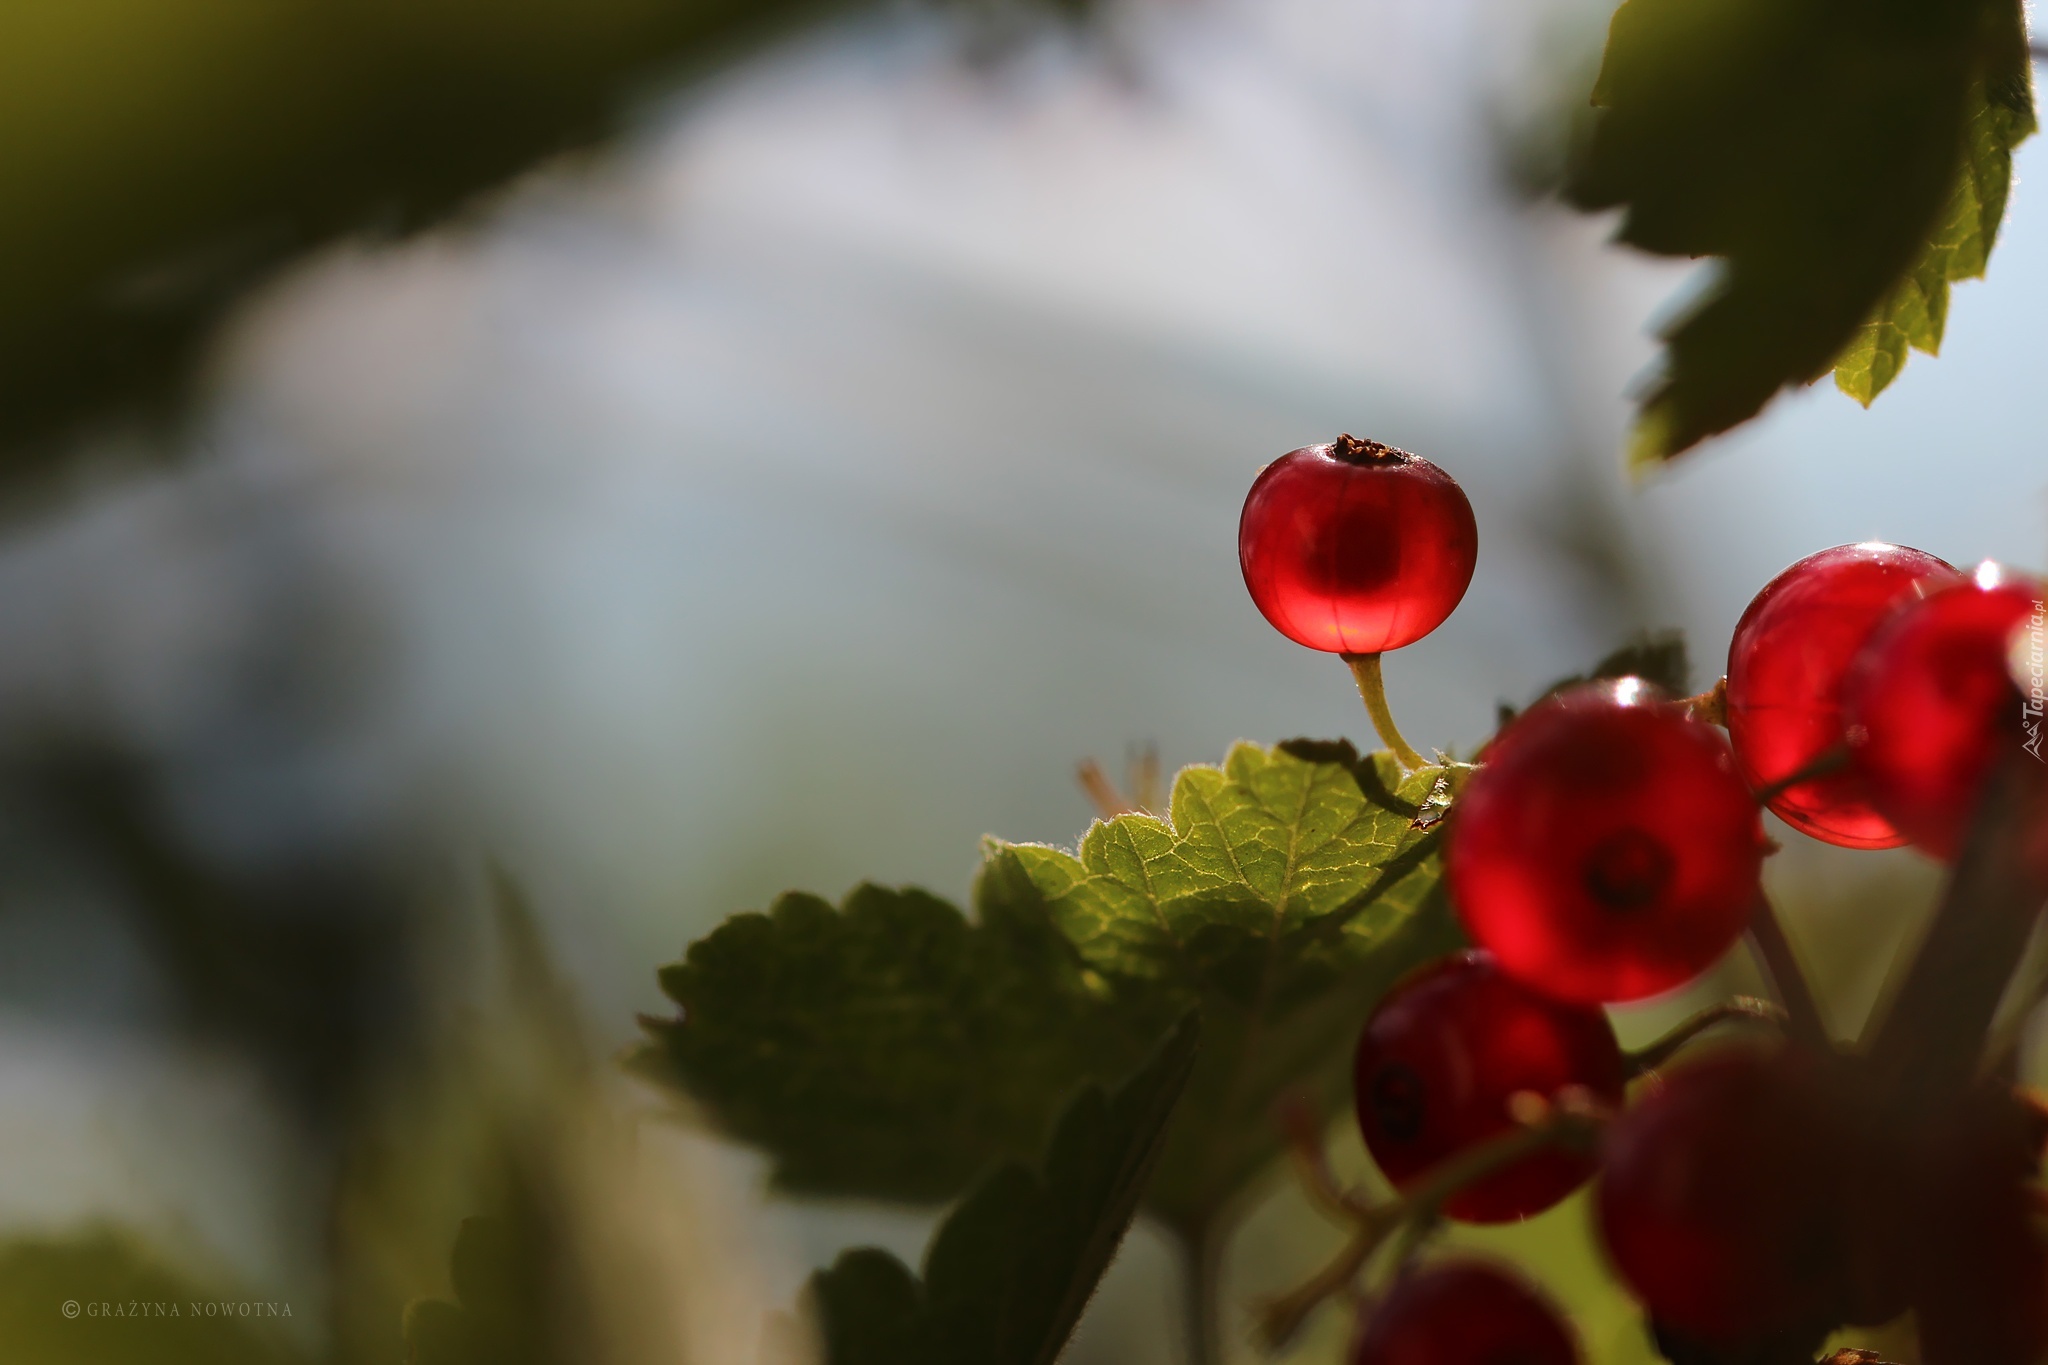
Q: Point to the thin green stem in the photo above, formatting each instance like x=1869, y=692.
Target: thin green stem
x=1280, y=1318
x=1366, y=669
x=1742, y=1007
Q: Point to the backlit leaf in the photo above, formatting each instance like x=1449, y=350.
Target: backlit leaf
x=1009, y=1271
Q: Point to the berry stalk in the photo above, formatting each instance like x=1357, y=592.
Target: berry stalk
x=1745, y=1008
x=1929, y=1043
x=1781, y=964
x=1365, y=668
x=1546, y=1126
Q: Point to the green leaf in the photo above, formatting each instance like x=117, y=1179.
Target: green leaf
x=895, y=1049
x=891, y=1048
x=1287, y=891
x=1009, y=1271
x=1915, y=312
x=132, y=1309
x=1813, y=148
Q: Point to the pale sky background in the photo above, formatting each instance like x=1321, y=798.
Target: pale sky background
x=792, y=494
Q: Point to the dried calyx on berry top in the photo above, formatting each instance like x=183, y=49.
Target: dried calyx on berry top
x=1356, y=547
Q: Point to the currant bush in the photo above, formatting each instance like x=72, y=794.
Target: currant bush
x=1355, y=547
x=1440, y=1059
x=1606, y=850
x=1607, y=847
x=1463, y=1313
x=1787, y=660
x=1931, y=703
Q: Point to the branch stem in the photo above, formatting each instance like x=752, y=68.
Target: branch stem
x=1802, y=1011
x=1304, y=1132
x=1928, y=1045
x=1280, y=1318
x=1365, y=668
x=1202, y=1303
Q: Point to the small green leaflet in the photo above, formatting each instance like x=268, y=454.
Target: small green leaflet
x=1915, y=313
x=1009, y=1271
x=895, y=1049
x=1289, y=889
x=1817, y=150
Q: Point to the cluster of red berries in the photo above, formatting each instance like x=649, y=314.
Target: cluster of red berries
x=1608, y=848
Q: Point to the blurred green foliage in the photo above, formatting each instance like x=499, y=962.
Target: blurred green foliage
x=1824, y=152
x=500, y=1313
x=1845, y=164
x=306, y=964
x=100, y=1298
x=156, y=159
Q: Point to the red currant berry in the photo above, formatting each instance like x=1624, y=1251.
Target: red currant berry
x=1786, y=662
x=1978, y=1265
x=1441, y=1057
x=1463, y=1313
x=1931, y=704
x=1356, y=547
x=1606, y=850
x=1720, y=1201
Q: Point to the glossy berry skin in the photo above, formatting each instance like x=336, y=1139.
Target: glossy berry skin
x=1720, y=1198
x=1355, y=547
x=1787, y=661
x=1463, y=1313
x=1606, y=850
x=1441, y=1057
x=1931, y=704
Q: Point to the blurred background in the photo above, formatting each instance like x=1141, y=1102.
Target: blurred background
x=783, y=489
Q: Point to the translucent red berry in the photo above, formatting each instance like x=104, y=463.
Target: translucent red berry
x=1931, y=703
x=1720, y=1198
x=1356, y=547
x=1439, y=1061
x=1786, y=663
x=1606, y=850
x=1463, y=1313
